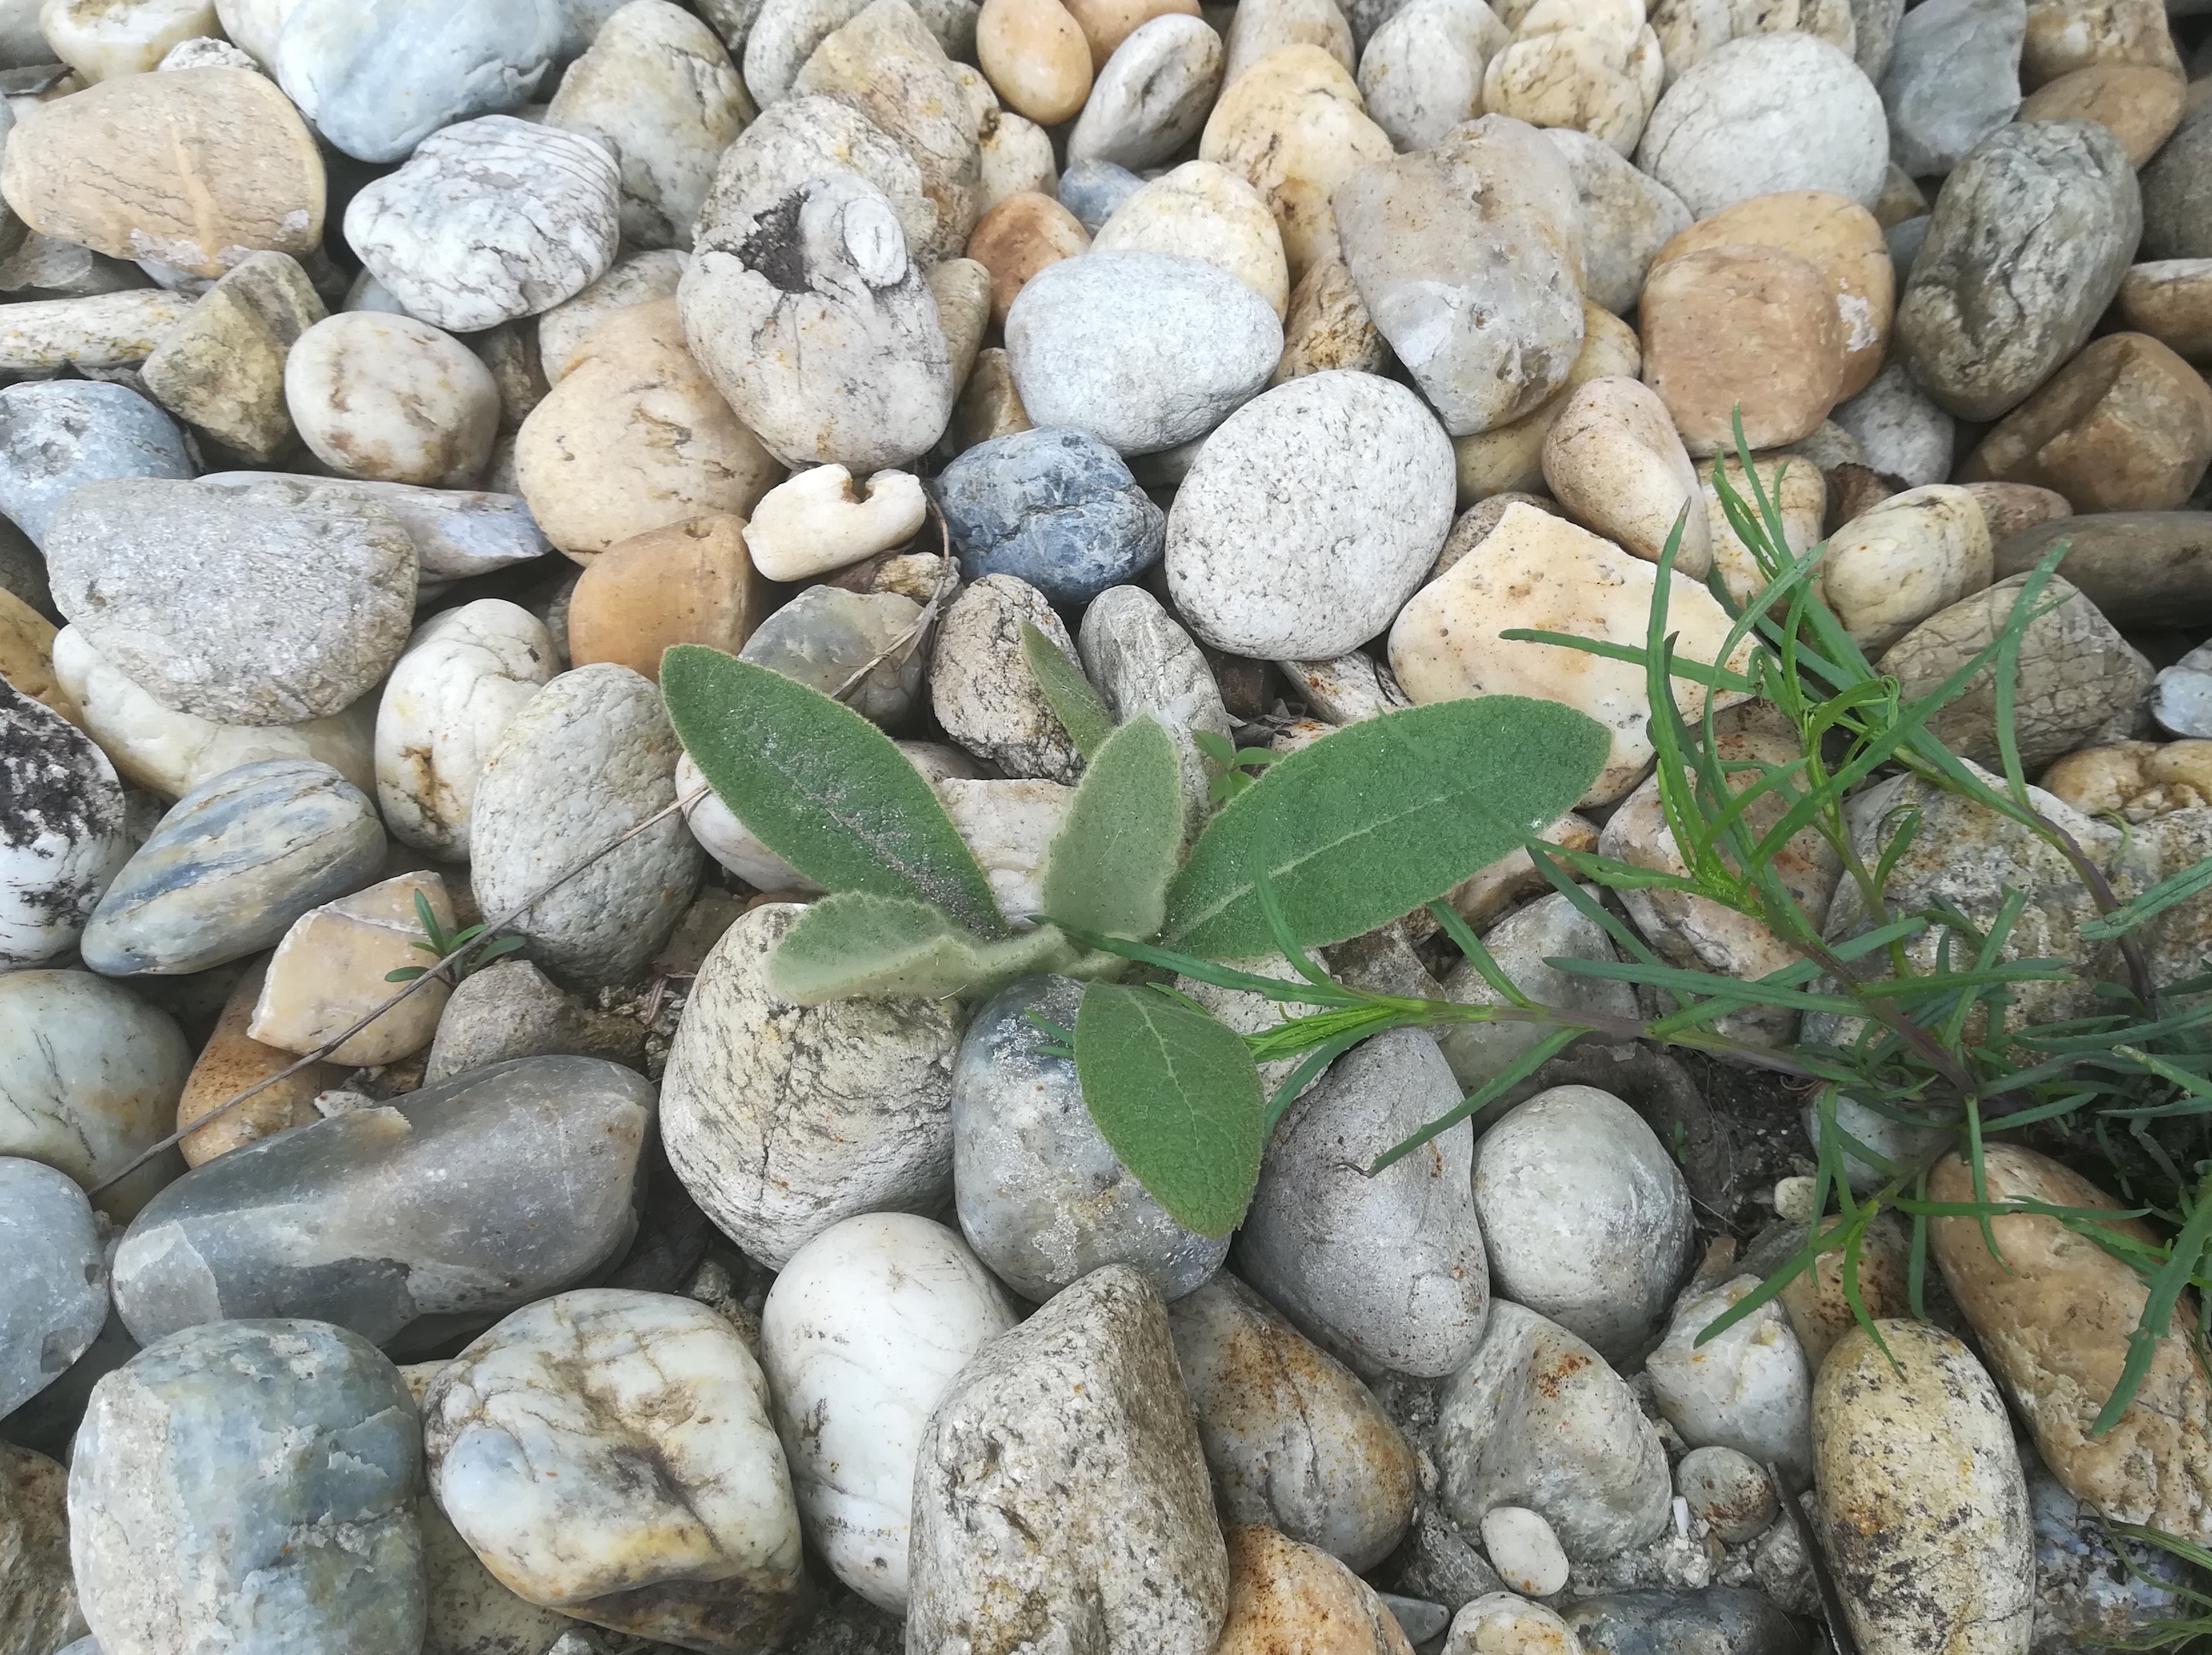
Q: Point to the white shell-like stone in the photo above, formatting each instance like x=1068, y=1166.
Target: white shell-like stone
x=862, y=1334
x=815, y=521
x=1524, y=1550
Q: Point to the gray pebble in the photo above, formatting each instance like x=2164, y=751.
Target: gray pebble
x=57, y=435
x=1151, y=96
x=809, y=136
x=1953, y=79
x=1094, y=191
x=981, y=691
x=2181, y=700
x=1142, y=662
x=1626, y=217
x=57, y=1297
x=826, y=635
x=458, y=532
x=784, y=33
x=1900, y=431
x=1729, y=1491
x=2177, y=191
x=509, y=1011
x=1716, y=1620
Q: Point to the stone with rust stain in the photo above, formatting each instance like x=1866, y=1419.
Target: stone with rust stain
x=233, y=1060
x=1285, y=1599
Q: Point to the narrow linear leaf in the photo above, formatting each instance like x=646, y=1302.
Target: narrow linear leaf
x=1177, y=1097
x=821, y=786
x=1109, y=867
x=1089, y=724
x=856, y=942
x=1379, y=818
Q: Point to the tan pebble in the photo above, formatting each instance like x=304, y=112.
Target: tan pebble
x=1329, y=327
x=1614, y=461
x=2124, y=426
x=2142, y=103
x=1839, y=238
x=27, y=656
x=1289, y=1599
x=2136, y=780
x=1035, y=57
x=2008, y=507
x=1257, y=27
x=1754, y=327
x=100, y=39
x=221, y=368
x=962, y=287
x=100, y=329
x=1570, y=78
x=2064, y=35
x=1890, y=568
x=1510, y=458
x=1203, y=211
x=989, y=405
x=689, y=582
x=1500, y=1623
x=1106, y=23
x=386, y=398
x=332, y=968
x=2171, y=300
x=637, y=280
x=1818, y=1309
x=1016, y=156
x=1019, y=237
x=233, y=1060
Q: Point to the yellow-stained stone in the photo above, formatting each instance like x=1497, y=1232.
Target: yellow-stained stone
x=331, y=969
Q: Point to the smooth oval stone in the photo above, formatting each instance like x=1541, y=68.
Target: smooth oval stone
x=1151, y=98
x=61, y=831
x=1953, y=78
x=1387, y=1273
x=57, y=1297
x=90, y=1076
x=57, y=435
x=250, y=1487
x=231, y=865
x=1294, y=1441
x=537, y=1437
x=589, y=758
x=1057, y=508
x=1144, y=351
x=1712, y=1621
x=391, y=398
x=865, y=1330
x=1309, y=518
x=230, y=609
x=826, y=635
x=406, y=1222
x=457, y=532
x=376, y=81
x=1042, y=1198
x=2140, y=568
x=1749, y=1388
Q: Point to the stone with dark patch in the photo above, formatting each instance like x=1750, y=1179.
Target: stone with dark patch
x=61, y=834
x=1057, y=508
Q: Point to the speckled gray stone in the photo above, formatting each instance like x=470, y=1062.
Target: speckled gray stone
x=590, y=757
x=250, y=1487
x=407, y=1221
x=57, y=1296
x=62, y=832
x=1387, y=1273
x=1309, y=518
x=377, y=81
x=982, y=691
x=1144, y=351
x=1055, y=508
x=1060, y=1486
x=2030, y=238
x=231, y=865
x=1953, y=78
x=1152, y=95
x=55, y=435
x=1042, y=1198
x=457, y=532
x=782, y=1119
x=1142, y=662
x=230, y=609
x=2177, y=190
x=823, y=637
x=2087, y=1594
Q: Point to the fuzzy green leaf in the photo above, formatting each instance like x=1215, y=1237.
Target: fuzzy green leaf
x=1108, y=868
x=1089, y=724
x=856, y=942
x=821, y=786
x=1177, y=1097
x=1379, y=818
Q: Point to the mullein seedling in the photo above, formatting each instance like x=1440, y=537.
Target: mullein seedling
x=438, y=942
x=1231, y=768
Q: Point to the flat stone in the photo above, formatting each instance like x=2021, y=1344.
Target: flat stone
x=1294, y=1441
x=90, y=1075
x=458, y=532
x=1626, y=216
x=221, y=368
x=230, y=1062
x=62, y=832
x=1061, y=1483
x=866, y=1328
x=872, y=1134
x=1041, y=1195
x=1387, y=1273
x=367, y=1219
x=534, y=1435
x=35, y=1580
x=983, y=693
x=2139, y=568
x=250, y=1485
x=333, y=968
x=101, y=330
x=1954, y=79
x=510, y=1010
x=57, y=435
x=1151, y=96
x=57, y=1298
x=1536, y=1418
x=1281, y=1593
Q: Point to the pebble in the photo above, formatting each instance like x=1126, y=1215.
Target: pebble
x=2011, y=507
x=802, y=138
x=1916, y=553
x=590, y=757
x=2171, y=300
x=231, y=1061
x=819, y=520
x=1422, y=72
x=866, y=1328
x=509, y=1009
x=1601, y=79
x=1749, y=1388
x=1510, y=458
x=1536, y=1418
x=1024, y=233
x=102, y=41
x=1586, y=1215
x=1143, y=661
x=782, y=1120
x=1036, y=57
x=103, y=329
x=1921, y=1498
x=2137, y=568
x=1627, y=215
x=962, y=288
x=2029, y=241
x=2124, y=426
x=1709, y=1621
x=1055, y=508
x=1954, y=79
x=392, y=399
x=1523, y=945
x=63, y=835
x=826, y=636
x=91, y=1075
x=57, y=1301
x=231, y=865
x=535, y=1436
x=333, y=969
x=2143, y=105
x=1502, y=1623
x=250, y=1482
x=828, y=265
x=636, y=279
x=221, y=367
x=57, y=435
x=1203, y=211
x=1524, y=1550
x=1094, y=189
x=196, y=168
x=1898, y=429
x=1764, y=113
x=785, y=34
x=2062, y=38
x=1728, y=1491
x=2089, y=1586
x=983, y=691
x=689, y=583
x=1309, y=518
x=1742, y=327
x=1387, y=1273
x=407, y=1221
x=2136, y=780
x=1294, y=1441
x=1467, y=256
x=1257, y=30
x=379, y=84
x=1150, y=97
x=2174, y=192
x=1009, y=827
x=2053, y=1319
x=1060, y=1484
x=1282, y=1594
x=1612, y=460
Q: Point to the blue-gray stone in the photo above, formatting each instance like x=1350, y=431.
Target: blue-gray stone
x=407, y=1223
x=1716, y=1620
x=1905, y=241
x=47, y=1424
x=377, y=80
x=1057, y=508
x=56, y=1298
x=1041, y=1196
x=826, y=634
x=231, y=865
x=2087, y=1595
x=458, y=532
x=1092, y=190
x=1954, y=79
x=250, y=1488
x=55, y=435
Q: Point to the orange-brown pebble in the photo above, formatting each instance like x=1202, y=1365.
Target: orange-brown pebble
x=1035, y=57
x=690, y=583
x=232, y=1061
x=1289, y=1599
x=1017, y=238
